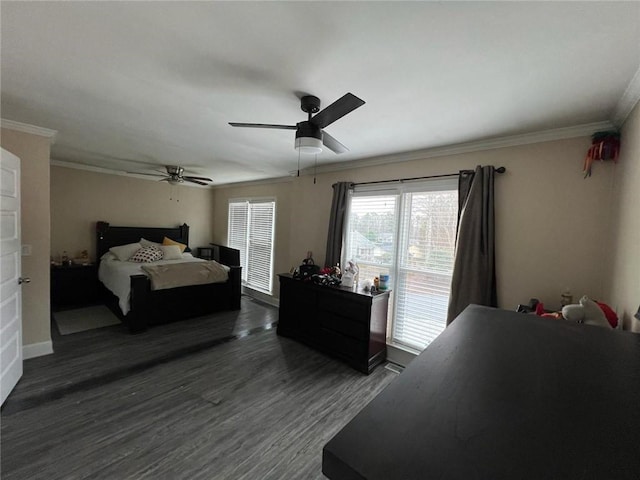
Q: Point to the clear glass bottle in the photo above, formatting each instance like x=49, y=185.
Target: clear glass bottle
x=566, y=298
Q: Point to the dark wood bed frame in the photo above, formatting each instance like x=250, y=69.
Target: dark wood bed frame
x=150, y=307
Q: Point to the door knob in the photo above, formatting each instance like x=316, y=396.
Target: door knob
x=22, y=280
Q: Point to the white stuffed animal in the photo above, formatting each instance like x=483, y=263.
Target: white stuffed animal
x=587, y=311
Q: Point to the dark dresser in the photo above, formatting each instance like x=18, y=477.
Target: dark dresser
x=343, y=322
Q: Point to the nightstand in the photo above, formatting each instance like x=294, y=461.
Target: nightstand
x=205, y=253
x=74, y=286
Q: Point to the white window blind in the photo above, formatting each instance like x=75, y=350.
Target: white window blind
x=251, y=230
x=237, y=230
x=409, y=233
x=372, y=234
x=425, y=266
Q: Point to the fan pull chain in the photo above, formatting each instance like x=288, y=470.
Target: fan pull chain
x=315, y=168
x=171, y=195
x=298, y=162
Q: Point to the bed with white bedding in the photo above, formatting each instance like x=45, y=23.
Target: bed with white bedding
x=116, y=275
x=141, y=301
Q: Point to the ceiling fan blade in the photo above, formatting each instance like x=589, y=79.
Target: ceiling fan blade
x=189, y=177
x=333, y=144
x=338, y=109
x=263, y=125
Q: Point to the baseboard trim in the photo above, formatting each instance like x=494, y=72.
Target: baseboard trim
x=263, y=297
x=399, y=356
x=34, y=350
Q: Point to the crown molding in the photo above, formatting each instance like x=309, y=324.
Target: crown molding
x=88, y=168
x=251, y=183
x=32, y=129
x=107, y=171
x=564, y=133
x=629, y=99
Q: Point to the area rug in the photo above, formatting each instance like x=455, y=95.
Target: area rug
x=82, y=319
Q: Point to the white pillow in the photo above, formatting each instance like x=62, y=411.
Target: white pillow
x=125, y=252
x=186, y=255
x=171, y=252
x=148, y=243
x=108, y=257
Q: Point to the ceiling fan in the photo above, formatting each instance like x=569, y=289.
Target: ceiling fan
x=175, y=176
x=310, y=134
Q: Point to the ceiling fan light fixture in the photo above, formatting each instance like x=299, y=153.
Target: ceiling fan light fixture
x=309, y=145
x=175, y=181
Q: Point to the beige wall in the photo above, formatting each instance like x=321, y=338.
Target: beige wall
x=79, y=198
x=549, y=218
x=33, y=151
x=623, y=237
x=549, y=236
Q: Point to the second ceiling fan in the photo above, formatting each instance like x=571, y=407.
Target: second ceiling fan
x=310, y=135
x=175, y=176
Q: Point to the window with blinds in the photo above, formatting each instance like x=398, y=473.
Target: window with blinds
x=425, y=266
x=251, y=230
x=408, y=232
x=371, y=235
x=237, y=230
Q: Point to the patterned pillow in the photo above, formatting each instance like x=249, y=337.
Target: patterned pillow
x=147, y=255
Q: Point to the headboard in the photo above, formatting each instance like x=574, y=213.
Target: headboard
x=108, y=236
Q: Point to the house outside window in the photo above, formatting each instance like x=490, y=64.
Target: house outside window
x=409, y=233
x=251, y=229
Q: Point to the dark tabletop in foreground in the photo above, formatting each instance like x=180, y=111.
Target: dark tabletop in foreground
x=503, y=395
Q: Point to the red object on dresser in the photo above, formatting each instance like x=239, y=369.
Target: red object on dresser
x=612, y=318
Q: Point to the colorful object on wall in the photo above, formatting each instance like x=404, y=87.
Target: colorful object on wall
x=604, y=146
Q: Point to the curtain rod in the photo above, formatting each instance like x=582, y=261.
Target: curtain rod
x=400, y=180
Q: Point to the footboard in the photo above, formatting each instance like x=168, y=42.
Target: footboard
x=150, y=307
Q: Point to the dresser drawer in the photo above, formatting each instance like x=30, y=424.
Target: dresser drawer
x=336, y=303
x=344, y=325
x=297, y=310
x=344, y=346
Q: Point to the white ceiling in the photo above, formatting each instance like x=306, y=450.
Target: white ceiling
x=129, y=86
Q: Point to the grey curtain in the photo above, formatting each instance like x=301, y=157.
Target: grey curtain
x=336, y=223
x=474, y=269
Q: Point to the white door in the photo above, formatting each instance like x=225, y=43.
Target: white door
x=10, y=281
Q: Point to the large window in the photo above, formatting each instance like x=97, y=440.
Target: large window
x=409, y=233
x=251, y=229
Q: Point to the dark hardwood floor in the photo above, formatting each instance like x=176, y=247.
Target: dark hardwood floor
x=218, y=397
